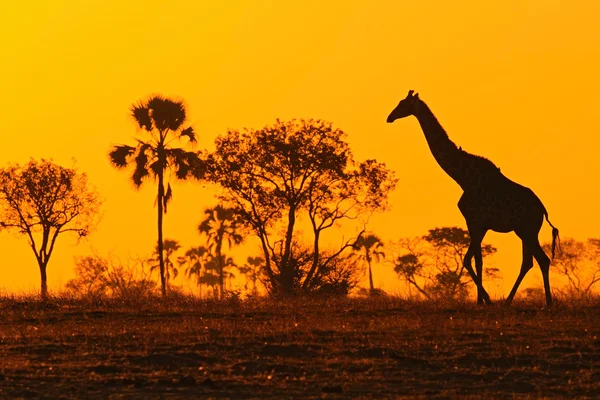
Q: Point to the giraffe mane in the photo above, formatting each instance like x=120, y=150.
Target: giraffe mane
x=484, y=162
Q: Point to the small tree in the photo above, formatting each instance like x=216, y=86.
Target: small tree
x=97, y=276
x=410, y=268
x=42, y=200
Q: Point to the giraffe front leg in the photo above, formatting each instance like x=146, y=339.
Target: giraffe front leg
x=481, y=292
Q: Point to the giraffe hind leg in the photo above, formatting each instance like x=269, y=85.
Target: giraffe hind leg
x=544, y=263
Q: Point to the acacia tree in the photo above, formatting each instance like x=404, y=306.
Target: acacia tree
x=579, y=262
x=369, y=248
x=449, y=247
x=41, y=200
x=410, y=265
x=276, y=174
x=222, y=224
x=153, y=157
x=433, y=264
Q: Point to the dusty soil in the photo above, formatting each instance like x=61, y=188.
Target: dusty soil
x=303, y=349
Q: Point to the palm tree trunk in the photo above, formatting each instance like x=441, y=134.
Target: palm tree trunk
x=161, y=261
x=220, y=263
x=371, y=278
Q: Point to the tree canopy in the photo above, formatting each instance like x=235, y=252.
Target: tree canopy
x=290, y=170
x=41, y=200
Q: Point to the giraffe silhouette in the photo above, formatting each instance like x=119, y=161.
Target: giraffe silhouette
x=490, y=200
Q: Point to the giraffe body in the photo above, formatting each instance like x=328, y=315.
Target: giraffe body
x=490, y=200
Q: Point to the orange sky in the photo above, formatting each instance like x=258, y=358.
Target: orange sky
x=515, y=81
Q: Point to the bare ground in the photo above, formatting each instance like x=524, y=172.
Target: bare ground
x=382, y=348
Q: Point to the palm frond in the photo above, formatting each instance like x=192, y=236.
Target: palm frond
x=167, y=197
x=184, y=162
x=141, y=168
x=120, y=154
x=189, y=132
x=167, y=113
x=157, y=167
x=141, y=113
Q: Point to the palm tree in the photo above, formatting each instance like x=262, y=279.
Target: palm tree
x=195, y=259
x=369, y=248
x=221, y=224
x=253, y=271
x=162, y=121
x=170, y=246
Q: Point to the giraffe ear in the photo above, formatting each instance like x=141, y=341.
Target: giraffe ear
x=416, y=96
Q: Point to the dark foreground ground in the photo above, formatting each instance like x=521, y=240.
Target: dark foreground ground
x=377, y=348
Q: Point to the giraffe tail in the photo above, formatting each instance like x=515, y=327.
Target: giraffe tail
x=555, y=237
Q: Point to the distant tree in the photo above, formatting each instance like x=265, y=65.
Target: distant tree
x=579, y=262
x=450, y=245
x=204, y=267
x=97, y=276
x=253, y=271
x=170, y=247
x=222, y=225
x=411, y=267
x=276, y=174
x=340, y=276
x=195, y=260
x=162, y=120
x=369, y=248
x=42, y=200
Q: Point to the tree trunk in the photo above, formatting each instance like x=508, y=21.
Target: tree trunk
x=44, y=288
x=161, y=261
x=287, y=269
x=371, y=279
x=220, y=264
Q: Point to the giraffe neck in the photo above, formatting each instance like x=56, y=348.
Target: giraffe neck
x=445, y=152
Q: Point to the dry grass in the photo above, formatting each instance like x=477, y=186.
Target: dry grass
x=334, y=348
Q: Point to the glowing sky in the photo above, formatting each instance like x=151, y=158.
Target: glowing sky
x=515, y=81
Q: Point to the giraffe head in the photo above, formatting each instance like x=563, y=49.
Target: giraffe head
x=405, y=108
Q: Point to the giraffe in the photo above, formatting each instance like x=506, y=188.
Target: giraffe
x=490, y=200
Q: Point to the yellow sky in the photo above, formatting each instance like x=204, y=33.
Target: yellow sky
x=515, y=81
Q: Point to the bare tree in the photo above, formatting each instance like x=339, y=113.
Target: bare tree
x=41, y=200
x=98, y=276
